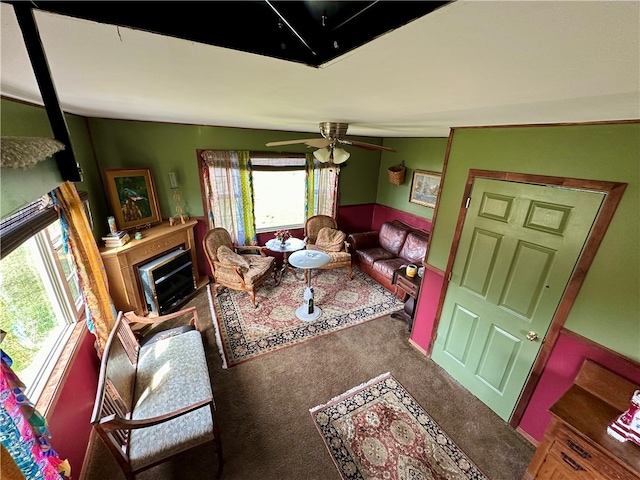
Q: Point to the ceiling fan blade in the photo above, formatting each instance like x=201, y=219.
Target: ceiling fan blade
x=366, y=146
x=291, y=142
x=311, y=142
x=319, y=142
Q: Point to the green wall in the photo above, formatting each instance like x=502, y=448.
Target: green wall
x=607, y=309
x=172, y=148
x=20, y=187
x=417, y=154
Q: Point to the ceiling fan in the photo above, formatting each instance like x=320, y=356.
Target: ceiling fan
x=328, y=146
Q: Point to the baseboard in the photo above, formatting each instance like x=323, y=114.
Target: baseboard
x=417, y=347
x=527, y=437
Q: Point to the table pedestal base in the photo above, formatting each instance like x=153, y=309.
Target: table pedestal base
x=302, y=312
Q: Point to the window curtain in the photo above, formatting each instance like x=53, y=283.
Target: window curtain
x=322, y=188
x=229, y=193
x=23, y=431
x=77, y=236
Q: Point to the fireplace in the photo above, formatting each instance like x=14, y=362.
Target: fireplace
x=167, y=281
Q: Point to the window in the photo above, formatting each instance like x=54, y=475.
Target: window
x=40, y=301
x=250, y=192
x=279, y=191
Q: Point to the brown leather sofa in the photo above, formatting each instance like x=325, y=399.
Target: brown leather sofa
x=379, y=254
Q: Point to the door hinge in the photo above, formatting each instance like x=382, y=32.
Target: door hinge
x=449, y=279
x=466, y=205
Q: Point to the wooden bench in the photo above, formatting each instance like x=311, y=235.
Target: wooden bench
x=154, y=398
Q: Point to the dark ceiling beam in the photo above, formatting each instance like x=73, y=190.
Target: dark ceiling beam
x=69, y=168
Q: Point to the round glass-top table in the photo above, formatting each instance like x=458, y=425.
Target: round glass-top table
x=308, y=259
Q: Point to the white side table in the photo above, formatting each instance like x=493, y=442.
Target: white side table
x=291, y=245
x=308, y=259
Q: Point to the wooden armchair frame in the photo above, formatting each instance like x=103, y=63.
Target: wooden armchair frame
x=234, y=278
x=312, y=226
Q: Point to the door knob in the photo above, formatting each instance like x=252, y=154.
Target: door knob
x=532, y=336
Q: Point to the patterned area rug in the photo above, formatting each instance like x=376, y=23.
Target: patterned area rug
x=244, y=332
x=378, y=431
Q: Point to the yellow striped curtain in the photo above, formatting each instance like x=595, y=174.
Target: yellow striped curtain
x=101, y=312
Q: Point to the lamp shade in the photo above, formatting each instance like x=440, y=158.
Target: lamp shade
x=323, y=155
x=173, y=180
x=340, y=156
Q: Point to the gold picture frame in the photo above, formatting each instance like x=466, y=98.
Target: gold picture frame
x=424, y=188
x=132, y=196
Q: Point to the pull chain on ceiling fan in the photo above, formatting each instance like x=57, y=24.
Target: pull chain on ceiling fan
x=328, y=146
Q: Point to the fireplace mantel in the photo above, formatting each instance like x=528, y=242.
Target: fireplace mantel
x=121, y=262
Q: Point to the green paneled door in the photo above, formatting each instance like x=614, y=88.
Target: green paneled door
x=517, y=251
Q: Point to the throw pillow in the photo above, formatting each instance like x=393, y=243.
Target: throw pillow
x=330, y=239
x=226, y=256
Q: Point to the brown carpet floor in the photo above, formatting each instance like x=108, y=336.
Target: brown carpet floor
x=263, y=405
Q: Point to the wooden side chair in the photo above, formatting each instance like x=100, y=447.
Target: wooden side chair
x=230, y=269
x=321, y=233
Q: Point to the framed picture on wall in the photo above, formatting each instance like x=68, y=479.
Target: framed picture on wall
x=132, y=197
x=424, y=188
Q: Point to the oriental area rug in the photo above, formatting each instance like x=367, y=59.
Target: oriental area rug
x=378, y=431
x=244, y=332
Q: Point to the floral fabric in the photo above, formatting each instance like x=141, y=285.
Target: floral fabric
x=23, y=430
x=161, y=389
x=226, y=256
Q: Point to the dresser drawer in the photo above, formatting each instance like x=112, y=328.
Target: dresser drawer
x=586, y=460
x=407, y=286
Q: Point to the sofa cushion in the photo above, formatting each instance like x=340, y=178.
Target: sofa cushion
x=387, y=267
x=172, y=374
x=372, y=255
x=330, y=239
x=392, y=236
x=414, y=248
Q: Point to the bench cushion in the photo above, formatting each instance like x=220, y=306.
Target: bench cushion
x=172, y=374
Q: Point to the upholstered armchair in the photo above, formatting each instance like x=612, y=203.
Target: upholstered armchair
x=230, y=269
x=321, y=233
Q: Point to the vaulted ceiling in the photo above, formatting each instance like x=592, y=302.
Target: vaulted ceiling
x=389, y=69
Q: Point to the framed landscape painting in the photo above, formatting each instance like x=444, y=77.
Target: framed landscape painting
x=132, y=197
x=424, y=188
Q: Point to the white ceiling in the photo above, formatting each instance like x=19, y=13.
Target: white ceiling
x=468, y=63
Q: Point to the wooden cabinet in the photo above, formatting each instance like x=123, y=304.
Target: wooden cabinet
x=410, y=286
x=576, y=445
x=121, y=262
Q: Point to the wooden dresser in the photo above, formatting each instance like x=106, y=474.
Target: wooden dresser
x=576, y=445
x=121, y=263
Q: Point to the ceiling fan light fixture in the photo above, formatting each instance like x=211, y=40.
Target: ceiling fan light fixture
x=323, y=155
x=340, y=156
